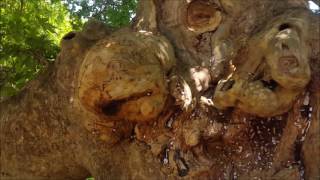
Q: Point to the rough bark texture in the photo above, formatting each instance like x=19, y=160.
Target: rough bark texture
x=202, y=89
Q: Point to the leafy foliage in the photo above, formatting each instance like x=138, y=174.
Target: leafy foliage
x=30, y=31
x=115, y=13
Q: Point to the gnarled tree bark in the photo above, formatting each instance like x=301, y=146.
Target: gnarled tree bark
x=210, y=89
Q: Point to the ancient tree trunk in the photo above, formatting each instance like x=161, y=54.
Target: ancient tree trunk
x=209, y=89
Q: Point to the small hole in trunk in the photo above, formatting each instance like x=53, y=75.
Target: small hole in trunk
x=284, y=47
x=69, y=36
x=284, y=26
x=111, y=108
x=272, y=84
x=227, y=85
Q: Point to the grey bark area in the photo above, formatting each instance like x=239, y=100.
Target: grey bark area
x=205, y=89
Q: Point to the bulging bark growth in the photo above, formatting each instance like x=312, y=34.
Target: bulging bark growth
x=210, y=89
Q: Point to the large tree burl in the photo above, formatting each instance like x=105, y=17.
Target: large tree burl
x=203, y=16
x=273, y=72
x=123, y=77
